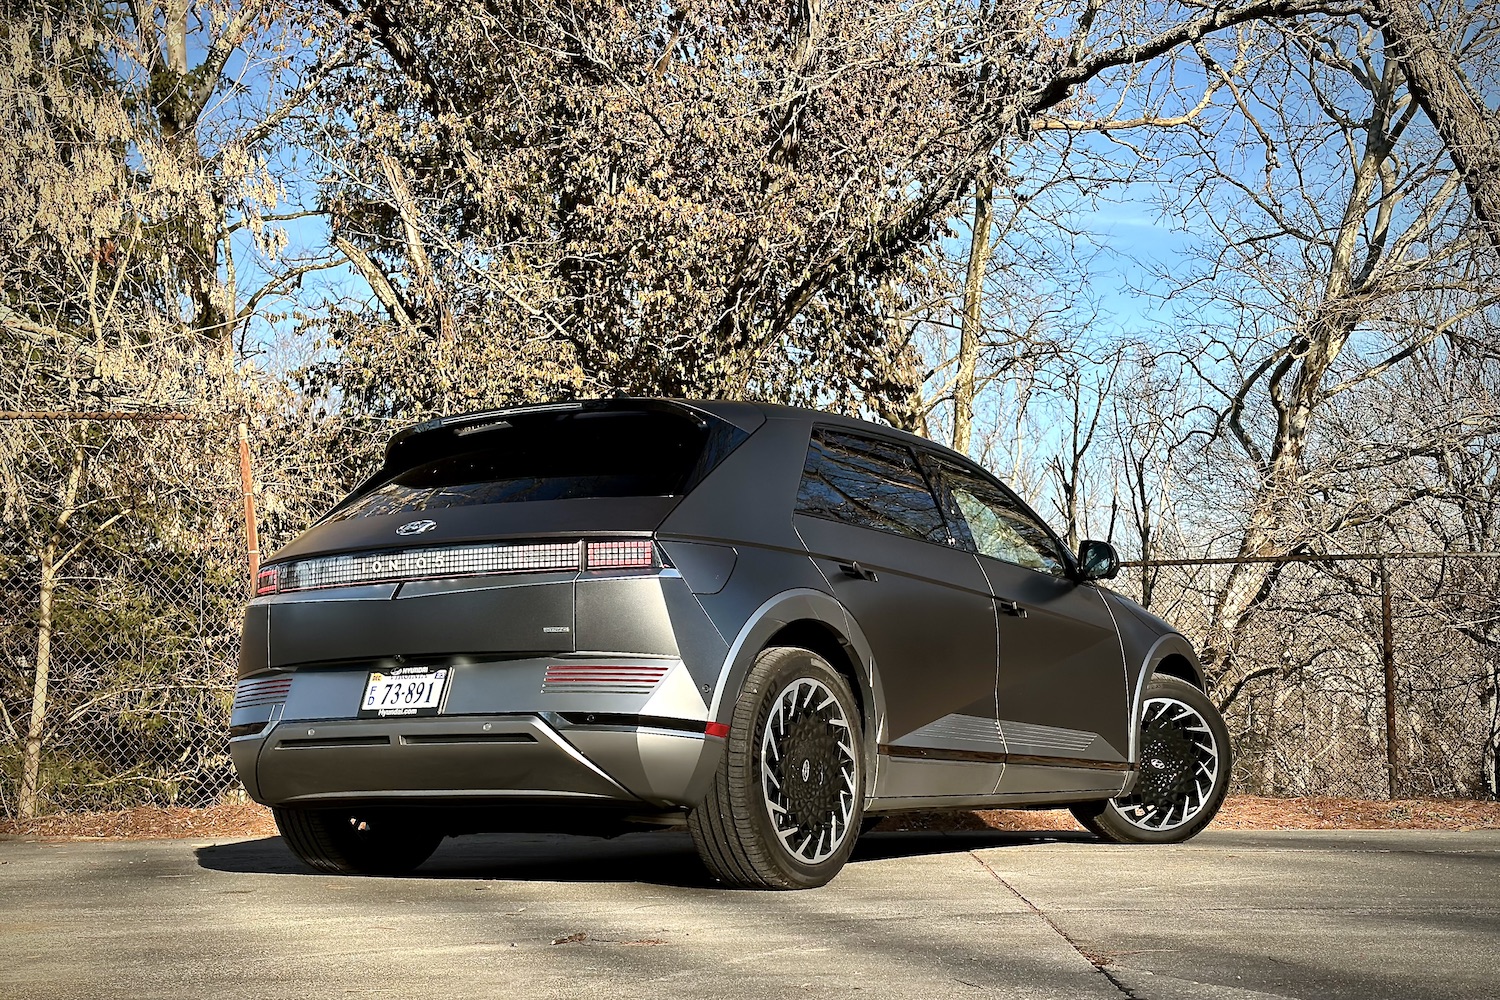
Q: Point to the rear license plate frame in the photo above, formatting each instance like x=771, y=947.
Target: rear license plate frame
x=404, y=693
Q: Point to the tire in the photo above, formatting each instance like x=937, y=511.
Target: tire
x=1184, y=770
x=345, y=842
x=787, y=801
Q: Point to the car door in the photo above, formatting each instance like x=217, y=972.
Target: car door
x=871, y=523
x=1061, y=694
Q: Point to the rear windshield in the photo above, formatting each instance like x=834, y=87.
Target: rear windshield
x=551, y=456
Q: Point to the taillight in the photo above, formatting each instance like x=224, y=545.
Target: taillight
x=633, y=554
x=453, y=561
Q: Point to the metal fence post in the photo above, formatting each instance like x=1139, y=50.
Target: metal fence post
x=247, y=490
x=1388, y=656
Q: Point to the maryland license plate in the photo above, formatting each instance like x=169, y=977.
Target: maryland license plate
x=409, y=691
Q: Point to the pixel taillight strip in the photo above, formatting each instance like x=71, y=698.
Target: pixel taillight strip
x=444, y=562
x=636, y=553
x=565, y=678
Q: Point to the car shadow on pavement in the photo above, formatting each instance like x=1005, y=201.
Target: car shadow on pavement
x=658, y=858
x=907, y=844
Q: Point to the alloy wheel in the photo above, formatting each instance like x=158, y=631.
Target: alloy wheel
x=1179, y=767
x=809, y=770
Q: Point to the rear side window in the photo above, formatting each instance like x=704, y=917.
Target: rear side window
x=550, y=456
x=870, y=483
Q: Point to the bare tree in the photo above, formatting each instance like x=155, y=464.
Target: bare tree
x=1327, y=288
x=1433, y=58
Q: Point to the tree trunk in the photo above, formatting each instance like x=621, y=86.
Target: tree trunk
x=968, y=343
x=31, y=766
x=1470, y=131
x=51, y=567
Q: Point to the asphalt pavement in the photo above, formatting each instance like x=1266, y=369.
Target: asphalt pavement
x=1230, y=916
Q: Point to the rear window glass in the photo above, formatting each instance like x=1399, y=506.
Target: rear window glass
x=551, y=456
x=870, y=483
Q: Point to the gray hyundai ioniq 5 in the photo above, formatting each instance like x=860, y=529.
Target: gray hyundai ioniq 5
x=766, y=624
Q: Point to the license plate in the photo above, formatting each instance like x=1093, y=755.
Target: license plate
x=403, y=692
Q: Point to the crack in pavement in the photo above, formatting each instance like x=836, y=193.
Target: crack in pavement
x=1097, y=962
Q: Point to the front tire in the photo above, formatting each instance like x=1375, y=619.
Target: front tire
x=1184, y=770
x=786, y=804
x=350, y=842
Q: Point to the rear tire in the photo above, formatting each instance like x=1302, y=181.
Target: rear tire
x=356, y=842
x=1184, y=775
x=786, y=804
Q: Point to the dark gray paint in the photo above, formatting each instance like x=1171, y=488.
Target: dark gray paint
x=760, y=574
x=467, y=619
x=927, y=616
x=444, y=758
x=704, y=566
x=1066, y=641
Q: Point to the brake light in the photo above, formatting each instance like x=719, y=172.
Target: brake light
x=633, y=554
x=266, y=580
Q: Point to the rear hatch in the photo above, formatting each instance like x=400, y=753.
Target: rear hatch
x=469, y=538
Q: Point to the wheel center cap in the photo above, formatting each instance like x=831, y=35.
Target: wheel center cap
x=806, y=769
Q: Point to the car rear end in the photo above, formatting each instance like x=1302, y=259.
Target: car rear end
x=489, y=621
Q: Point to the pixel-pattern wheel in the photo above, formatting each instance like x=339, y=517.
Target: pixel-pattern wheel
x=786, y=803
x=345, y=842
x=1185, y=765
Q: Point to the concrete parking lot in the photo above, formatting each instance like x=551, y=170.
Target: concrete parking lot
x=1236, y=916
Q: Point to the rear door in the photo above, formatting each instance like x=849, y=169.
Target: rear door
x=869, y=519
x=1061, y=693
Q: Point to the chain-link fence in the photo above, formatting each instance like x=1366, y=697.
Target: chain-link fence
x=130, y=606
x=1357, y=675
x=122, y=579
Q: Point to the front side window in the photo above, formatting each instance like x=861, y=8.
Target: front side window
x=870, y=483
x=1000, y=527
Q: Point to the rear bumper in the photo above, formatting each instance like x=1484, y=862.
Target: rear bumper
x=475, y=759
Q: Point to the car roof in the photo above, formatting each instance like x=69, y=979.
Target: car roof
x=780, y=411
x=744, y=414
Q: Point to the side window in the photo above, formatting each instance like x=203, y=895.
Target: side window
x=870, y=483
x=1000, y=527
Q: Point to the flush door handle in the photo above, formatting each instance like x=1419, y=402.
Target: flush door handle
x=1011, y=607
x=858, y=572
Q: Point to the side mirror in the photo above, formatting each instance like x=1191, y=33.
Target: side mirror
x=1098, y=561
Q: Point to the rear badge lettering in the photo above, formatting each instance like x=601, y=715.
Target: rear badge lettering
x=556, y=628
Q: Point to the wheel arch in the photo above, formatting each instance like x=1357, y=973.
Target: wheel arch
x=815, y=621
x=1173, y=656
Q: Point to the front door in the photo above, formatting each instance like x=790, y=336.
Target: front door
x=1061, y=694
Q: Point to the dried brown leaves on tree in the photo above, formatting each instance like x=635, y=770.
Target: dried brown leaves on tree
x=692, y=199
x=137, y=175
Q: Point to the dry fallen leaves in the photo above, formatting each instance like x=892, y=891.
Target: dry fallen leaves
x=1240, y=812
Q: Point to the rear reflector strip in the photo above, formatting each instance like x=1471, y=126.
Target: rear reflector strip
x=261, y=691
x=565, y=678
x=449, y=561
